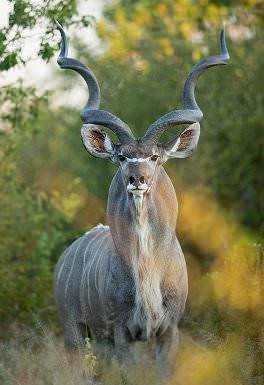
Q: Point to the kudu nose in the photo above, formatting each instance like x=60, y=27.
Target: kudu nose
x=136, y=180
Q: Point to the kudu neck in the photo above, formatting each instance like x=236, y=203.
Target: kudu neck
x=153, y=216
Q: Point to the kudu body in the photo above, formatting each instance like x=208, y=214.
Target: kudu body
x=128, y=281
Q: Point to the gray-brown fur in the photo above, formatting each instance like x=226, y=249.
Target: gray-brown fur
x=128, y=281
x=134, y=291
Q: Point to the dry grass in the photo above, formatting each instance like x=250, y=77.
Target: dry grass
x=40, y=359
x=32, y=358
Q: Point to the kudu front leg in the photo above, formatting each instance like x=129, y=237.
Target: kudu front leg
x=74, y=335
x=125, y=354
x=166, y=349
x=123, y=348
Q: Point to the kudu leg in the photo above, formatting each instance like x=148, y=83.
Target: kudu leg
x=74, y=335
x=125, y=355
x=104, y=349
x=123, y=348
x=166, y=348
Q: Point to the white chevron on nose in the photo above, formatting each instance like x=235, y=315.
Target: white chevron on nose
x=137, y=160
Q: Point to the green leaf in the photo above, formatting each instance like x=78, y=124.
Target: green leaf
x=9, y=61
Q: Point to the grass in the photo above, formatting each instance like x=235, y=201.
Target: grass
x=34, y=358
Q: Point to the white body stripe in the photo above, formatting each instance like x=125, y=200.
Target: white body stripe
x=96, y=270
x=88, y=273
x=74, y=258
x=87, y=265
x=64, y=260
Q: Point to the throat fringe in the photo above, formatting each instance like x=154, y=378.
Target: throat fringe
x=149, y=312
x=138, y=201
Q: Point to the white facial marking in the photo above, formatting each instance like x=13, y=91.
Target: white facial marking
x=136, y=160
x=137, y=190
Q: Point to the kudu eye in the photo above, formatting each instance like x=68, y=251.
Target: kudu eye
x=154, y=158
x=121, y=158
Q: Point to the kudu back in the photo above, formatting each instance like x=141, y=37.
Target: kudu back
x=128, y=281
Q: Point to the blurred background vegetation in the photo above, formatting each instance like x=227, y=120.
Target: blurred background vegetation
x=51, y=190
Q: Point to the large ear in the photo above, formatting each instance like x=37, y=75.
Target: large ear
x=97, y=142
x=183, y=145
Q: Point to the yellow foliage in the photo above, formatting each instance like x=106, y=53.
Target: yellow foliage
x=196, y=55
x=234, y=277
x=123, y=40
x=200, y=220
x=237, y=281
x=186, y=30
x=161, y=10
x=203, y=3
x=215, y=14
x=102, y=29
x=120, y=16
x=71, y=197
x=173, y=18
x=67, y=202
x=198, y=365
x=165, y=46
x=213, y=11
x=142, y=16
x=127, y=31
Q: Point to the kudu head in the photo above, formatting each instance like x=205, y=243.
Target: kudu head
x=140, y=159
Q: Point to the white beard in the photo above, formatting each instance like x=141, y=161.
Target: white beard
x=138, y=200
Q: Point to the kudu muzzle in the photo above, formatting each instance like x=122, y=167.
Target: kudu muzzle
x=136, y=184
x=138, y=177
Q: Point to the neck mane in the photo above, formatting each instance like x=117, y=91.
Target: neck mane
x=131, y=217
x=143, y=231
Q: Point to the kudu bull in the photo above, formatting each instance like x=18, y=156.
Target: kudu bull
x=128, y=281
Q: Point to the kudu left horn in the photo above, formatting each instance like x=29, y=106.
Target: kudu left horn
x=127, y=281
